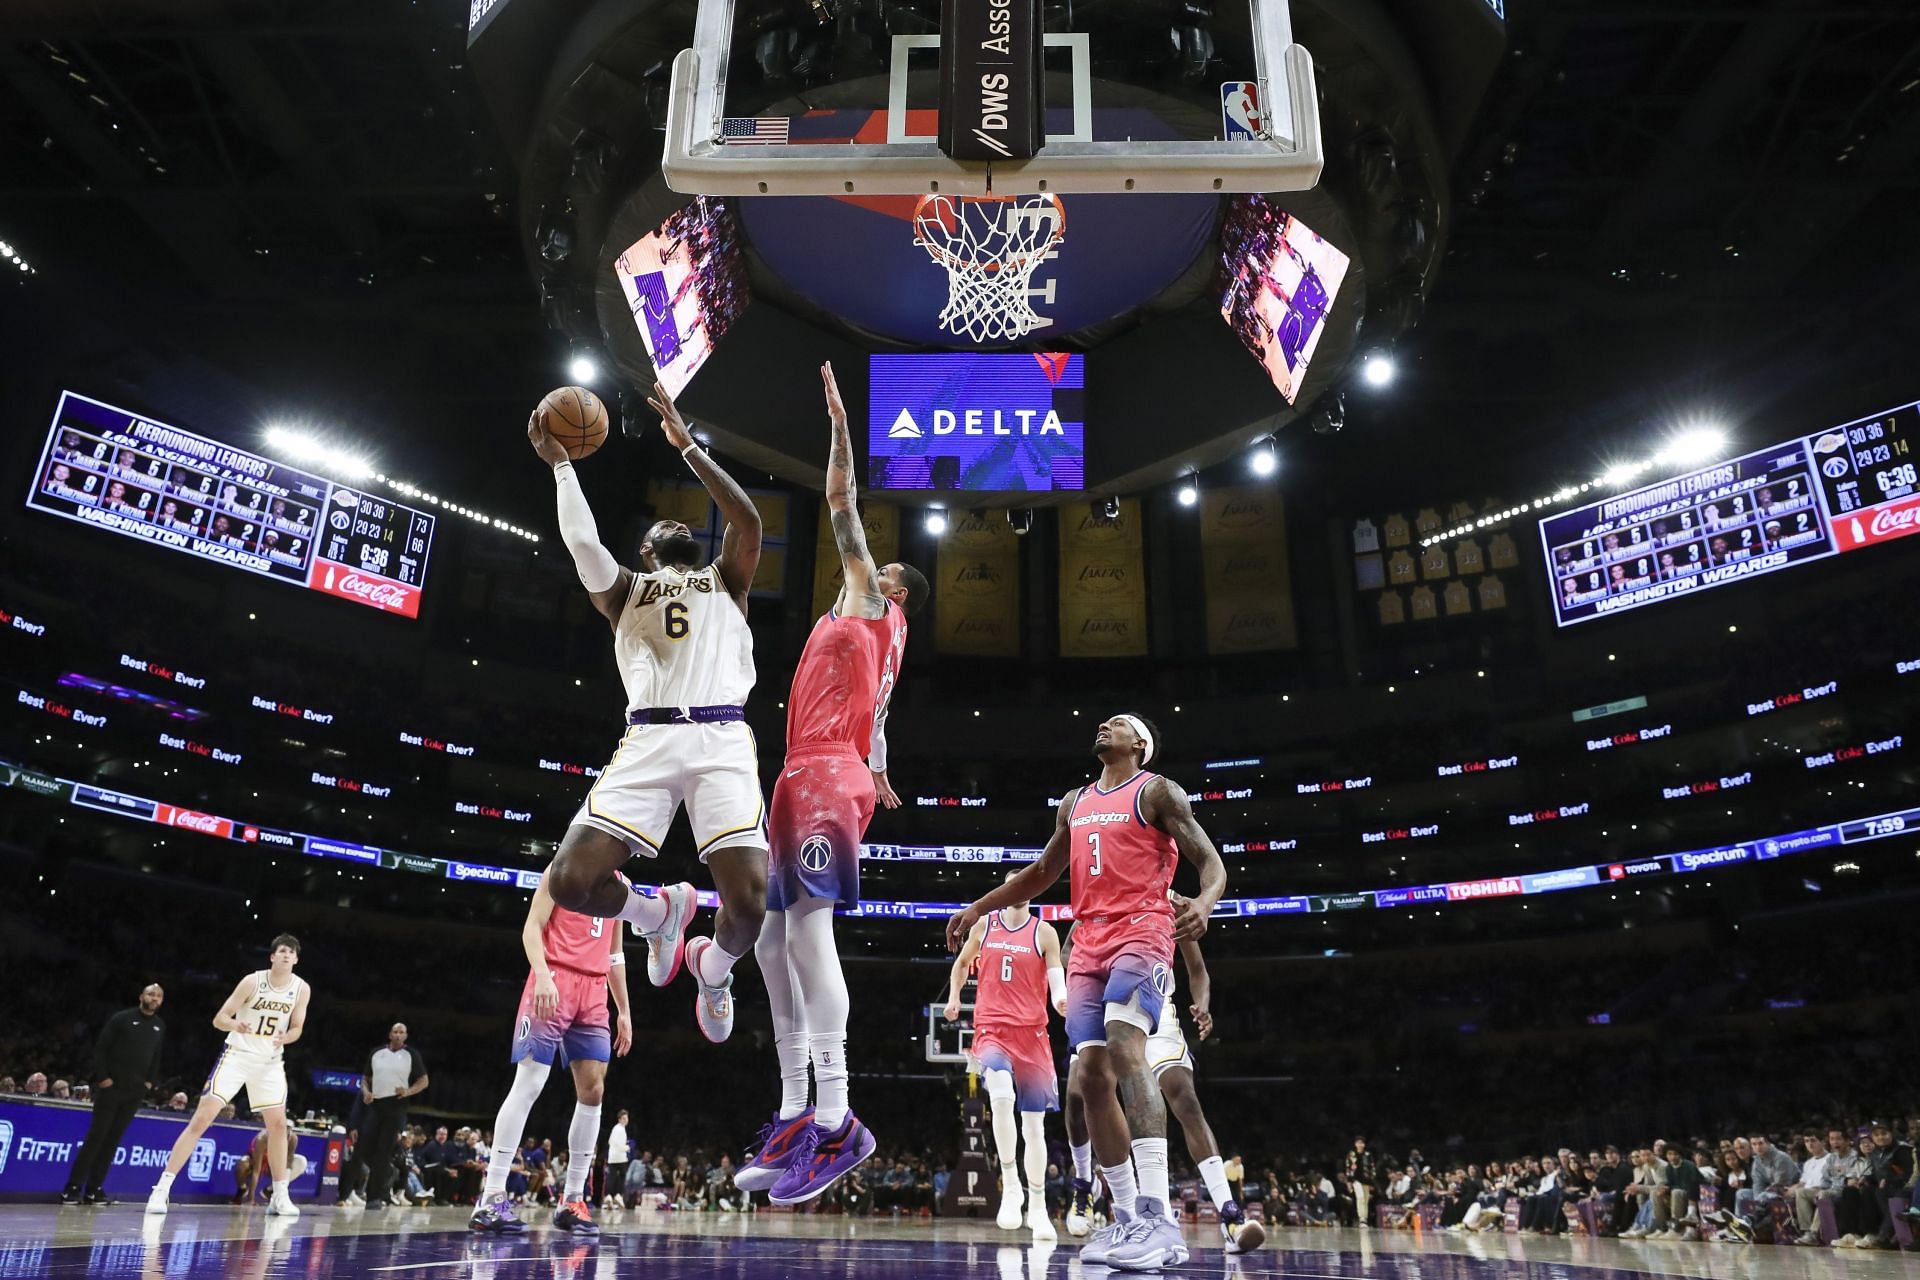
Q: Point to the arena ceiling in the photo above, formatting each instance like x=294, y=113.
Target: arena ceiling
x=1662, y=209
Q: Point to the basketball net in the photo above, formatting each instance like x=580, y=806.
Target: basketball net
x=989, y=247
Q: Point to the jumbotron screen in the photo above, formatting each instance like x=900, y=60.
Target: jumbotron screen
x=685, y=284
x=131, y=475
x=977, y=421
x=1838, y=490
x=1280, y=279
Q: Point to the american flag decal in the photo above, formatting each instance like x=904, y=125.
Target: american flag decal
x=754, y=131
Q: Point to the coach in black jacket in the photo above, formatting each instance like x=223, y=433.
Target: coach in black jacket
x=126, y=1058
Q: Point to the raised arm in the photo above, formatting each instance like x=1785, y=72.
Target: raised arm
x=740, y=543
x=1034, y=880
x=1199, y=987
x=546, y=996
x=606, y=581
x=1163, y=803
x=962, y=964
x=859, y=589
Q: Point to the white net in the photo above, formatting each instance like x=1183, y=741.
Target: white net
x=990, y=247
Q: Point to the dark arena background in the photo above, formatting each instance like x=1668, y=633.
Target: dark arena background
x=1477, y=438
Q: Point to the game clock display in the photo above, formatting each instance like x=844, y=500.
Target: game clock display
x=119, y=471
x=1838, y=490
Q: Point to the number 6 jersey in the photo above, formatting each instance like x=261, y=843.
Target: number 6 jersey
x=682, y=642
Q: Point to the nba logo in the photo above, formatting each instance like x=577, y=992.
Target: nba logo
x=200, y=1166
x=1240, y=117
x=6, y=1142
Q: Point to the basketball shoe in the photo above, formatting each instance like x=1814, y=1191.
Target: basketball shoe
x=1094, y=1252
x=1151, y=1241
x=1013, y=1201
x=1080, y=1209
x=712, y=1006
x=281, y=1204
x=667, y=945
x=495, y=1216
x=576, y=1217
x=822, y=1159
x=1039, y=1221
x=779, y=1140
x=1242, y=1234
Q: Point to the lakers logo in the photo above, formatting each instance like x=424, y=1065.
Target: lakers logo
x=816, y=853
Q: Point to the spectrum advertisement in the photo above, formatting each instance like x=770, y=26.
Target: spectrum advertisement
x=1839, y=490
x=976, y=422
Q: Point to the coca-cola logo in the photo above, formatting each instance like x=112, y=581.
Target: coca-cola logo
x=196, y=821
x=1901, y=520
x=377, y=592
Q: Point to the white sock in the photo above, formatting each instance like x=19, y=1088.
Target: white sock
x=1213, y=1171
x=716, y=962
x=529, y=1078
x=582, y=1136
x=1083, y=1161
x=1120, y=1184
x=1150, y=1158
x=165, y=1184
x=1033, y=1129
x=280, y=1186
x=794, y=1074
x=789, y=1031
x=822, y=988
x=646, y=913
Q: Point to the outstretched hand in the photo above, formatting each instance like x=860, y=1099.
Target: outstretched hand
x=551, y=451
x=836, y=409
x=959, y=925
x=672, y=425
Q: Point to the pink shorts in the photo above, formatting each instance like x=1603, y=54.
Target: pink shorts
x=1027, y=1054
x=1112, y=962
x=578, y=1029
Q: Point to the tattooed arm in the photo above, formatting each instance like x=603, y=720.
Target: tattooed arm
x=860, y=591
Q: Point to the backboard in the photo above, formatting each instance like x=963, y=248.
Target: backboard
x=843, y=98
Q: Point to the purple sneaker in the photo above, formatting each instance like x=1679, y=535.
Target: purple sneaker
x=822, y=1159
x=495, y=1216
x=778, y=1141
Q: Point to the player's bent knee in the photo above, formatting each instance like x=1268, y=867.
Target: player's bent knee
x=585, y=858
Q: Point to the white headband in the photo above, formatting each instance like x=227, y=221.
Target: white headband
x=1141, y=731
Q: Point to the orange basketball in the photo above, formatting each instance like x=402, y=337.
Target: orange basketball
x=577, y=418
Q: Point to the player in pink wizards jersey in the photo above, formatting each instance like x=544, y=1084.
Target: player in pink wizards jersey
x=1121, y=835
x=1015, y=957
x=836, y=767
x=573, y=960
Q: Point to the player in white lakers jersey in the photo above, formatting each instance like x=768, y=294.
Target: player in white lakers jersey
x=686, y=657
x=266, y=1012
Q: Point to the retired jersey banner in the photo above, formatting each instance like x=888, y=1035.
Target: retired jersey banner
x=976, y=587
x=883, y=541
x=1243, y=537
x=1103, y=583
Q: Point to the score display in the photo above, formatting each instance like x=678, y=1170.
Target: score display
x=117, y=470
x=1835, y=491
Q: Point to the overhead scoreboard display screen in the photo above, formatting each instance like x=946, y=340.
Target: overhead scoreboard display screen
x=1011, y=422
x=1838, y=490
x=131, y=475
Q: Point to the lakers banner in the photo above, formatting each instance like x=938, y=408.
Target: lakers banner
x=1243, y=537
x=690, y=505
x=976, y=587
x=1103, y=583
x=883, y=540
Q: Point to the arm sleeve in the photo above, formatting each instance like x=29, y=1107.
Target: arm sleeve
x=877, y=750
x=596, y=565
x=1056, y=982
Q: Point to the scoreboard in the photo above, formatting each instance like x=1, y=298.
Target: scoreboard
x=143, y=479
x=1838, y=490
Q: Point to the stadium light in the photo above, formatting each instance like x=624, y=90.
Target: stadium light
x=581, y=369
x=1694, y=445
x=1188, y=493
x=1379, y=370
x=936, y=521
x=299, y=447
x=1264, y=461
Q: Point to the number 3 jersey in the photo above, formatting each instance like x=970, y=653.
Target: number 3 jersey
x=682, y=642
x=1121, y=867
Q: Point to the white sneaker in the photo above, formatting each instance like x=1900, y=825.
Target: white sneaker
x=1012, y=1203
x=667, y=947
x=281, y=1205
x=1634, y=1233
x=1039, y=1221
x=357, y=1200
x=712, y=1006
x=157, y=1202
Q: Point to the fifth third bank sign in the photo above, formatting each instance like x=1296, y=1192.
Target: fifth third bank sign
x=981, y=422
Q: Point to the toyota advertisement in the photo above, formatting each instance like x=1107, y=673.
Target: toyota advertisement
x=977, y=422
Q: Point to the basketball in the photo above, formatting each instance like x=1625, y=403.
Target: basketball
x=577, y=418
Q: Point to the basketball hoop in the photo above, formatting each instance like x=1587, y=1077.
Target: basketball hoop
x=990, y=246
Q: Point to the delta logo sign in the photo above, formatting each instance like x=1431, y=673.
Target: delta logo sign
x=992, y=422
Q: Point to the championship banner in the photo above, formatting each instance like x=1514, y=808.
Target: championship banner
x=1103, y=583
x=1243, y=538
x=691, y=505
x=976, y=586
x=883, y=540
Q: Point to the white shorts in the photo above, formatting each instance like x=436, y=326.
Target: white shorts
x=262, y=1075
x=714, y=769
x=1167, y=1046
